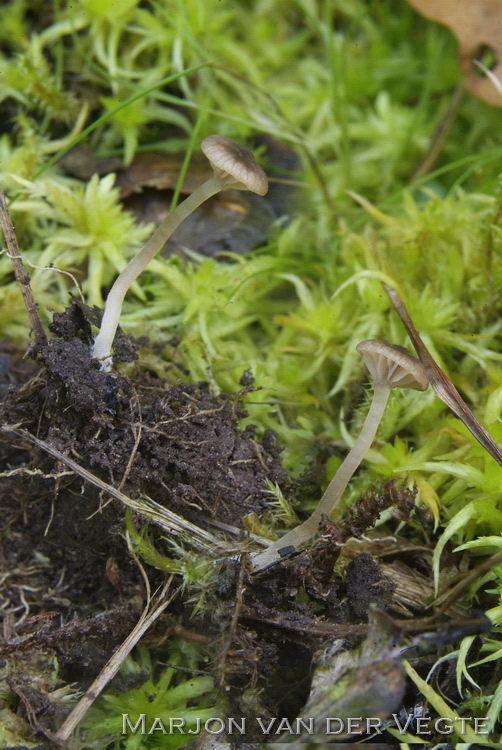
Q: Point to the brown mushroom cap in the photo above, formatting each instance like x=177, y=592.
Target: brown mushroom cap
x=235, y=165
x=393, y=365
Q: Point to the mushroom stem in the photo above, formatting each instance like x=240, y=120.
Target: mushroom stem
x=234, y=167
x=336, y=487
x=109, y=323
x=358, y=451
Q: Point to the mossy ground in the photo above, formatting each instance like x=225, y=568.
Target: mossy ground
x=384, y=170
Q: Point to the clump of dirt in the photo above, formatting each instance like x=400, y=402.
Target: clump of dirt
x=178, y=444
x=366, y=585
x=62, y=548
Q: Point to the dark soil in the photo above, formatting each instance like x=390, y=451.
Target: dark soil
x=180, y=445
x=63, y=550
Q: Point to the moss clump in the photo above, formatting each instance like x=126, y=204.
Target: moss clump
x=172, y=704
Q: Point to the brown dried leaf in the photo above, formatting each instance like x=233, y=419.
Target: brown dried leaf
x=444, y=388
x=152, y=169
x=476, y=25
x=161, y=171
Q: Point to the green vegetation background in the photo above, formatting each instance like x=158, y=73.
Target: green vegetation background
x=358, y=90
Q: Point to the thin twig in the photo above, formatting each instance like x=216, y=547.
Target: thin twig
x=115, y=662
x=62, y=271
x=344, y=630
x=444, y=388
x=469, y=578
x=439, y=136
x=137, y=440
x=145, y=506
x=233, y=624
x=22, y=277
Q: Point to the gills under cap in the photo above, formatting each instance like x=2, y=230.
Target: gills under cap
x=234, y=164
x=393, y=365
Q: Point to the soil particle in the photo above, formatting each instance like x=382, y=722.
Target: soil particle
x=84, y=388
x=366, y=585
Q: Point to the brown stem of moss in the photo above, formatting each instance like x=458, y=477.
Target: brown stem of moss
x=22, y=277
x=444, y=388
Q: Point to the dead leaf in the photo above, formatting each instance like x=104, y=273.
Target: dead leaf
x=155, y=169
x=477, y=25
x=443, y=387
x=152, y=169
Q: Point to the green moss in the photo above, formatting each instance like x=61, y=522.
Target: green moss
x=163, y=695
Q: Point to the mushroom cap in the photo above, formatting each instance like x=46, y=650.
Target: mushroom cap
x=393, y=365
x=235, y=165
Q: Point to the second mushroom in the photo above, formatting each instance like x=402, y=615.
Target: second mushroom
x=390, y=367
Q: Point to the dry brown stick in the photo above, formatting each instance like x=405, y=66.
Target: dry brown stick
x=439, y=136
x=22, y=277
x=469, y=578
x=115, y=662
x=444, y=388
x=233, y=624
x=346, y=630
x=145, y=506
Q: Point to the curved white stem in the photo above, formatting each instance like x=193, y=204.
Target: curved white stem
x=336, y=487
x=113, y=307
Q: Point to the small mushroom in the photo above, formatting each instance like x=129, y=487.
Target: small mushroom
x=234, y=168
x=390, y=367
